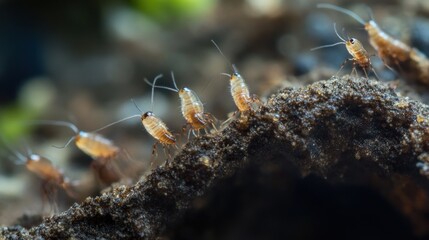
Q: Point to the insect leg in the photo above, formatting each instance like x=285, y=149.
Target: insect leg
x=342, y=66
x=153, y=153
x=167, y=153
x=366, y=74
x=211, y=119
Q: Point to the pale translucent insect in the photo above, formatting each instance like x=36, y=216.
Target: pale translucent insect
x=355, y=48
x=191, y=106
x=239, y=89
x=99, y=148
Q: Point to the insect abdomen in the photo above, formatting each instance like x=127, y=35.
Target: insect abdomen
x=158, y=130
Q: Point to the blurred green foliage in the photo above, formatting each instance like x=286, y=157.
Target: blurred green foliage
x=11, y=125
x=172, y=11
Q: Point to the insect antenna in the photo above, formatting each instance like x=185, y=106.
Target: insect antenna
x=234, y=68
x=27, y=148
x=174, y=80
x=164, y=87
x=370, y=13
x=116, y=122
x=59, y=123
x=56, y=123
x=334, y=44
x=342, y=10
x=326, y=46
x=153, y=90
x=21, y=158
x=135, y=104
x=65, y=145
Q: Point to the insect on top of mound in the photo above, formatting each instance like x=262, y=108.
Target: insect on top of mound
x=356, y=50
x=239, y=89
x=191, y=106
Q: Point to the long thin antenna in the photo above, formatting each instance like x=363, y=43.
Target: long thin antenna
x=65, y=145
x=22, y=159
x=336, y=32
x=27, y=148
x=161, y=87
x=334, y=44
x=116, y=122
x=371, y=13
x=57, y=123
x=223, y=55
x=135, y=104
x=153, y=89
x=342, y=10
x=326, y=46
x=174, y=81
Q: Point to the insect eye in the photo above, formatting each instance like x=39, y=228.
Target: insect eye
x=147, y=114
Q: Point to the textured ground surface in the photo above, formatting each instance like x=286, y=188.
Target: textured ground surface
x=337, y=134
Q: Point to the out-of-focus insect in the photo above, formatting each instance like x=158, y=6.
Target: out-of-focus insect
x=239, y=89
x=191, y=106
x=42, y=167
x=392, y=51
x=99, y=148
x=359, y=55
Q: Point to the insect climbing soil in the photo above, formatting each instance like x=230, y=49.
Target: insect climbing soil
x=348, y=130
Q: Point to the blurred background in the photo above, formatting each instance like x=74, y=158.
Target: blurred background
x=82, y=61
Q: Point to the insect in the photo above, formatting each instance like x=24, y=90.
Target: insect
x=99, y=148
x=155, y=126
x=355, y=48
x=390, y=50
x=191, y=106
x=239, y=89
x=45, y=170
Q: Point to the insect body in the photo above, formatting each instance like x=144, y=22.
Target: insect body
x=96, y=146
x=157, y=128
x=91, y=143
x=385, y=44
x=153, y=125
x=239, y=90
x=99, y=148
x=46, y=171
x=392, y=51
x=355, y=48
x=191, y=106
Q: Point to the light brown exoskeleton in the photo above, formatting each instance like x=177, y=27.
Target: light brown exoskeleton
x=393, y=52
x=355, y=48
x=51, y=176
x=99, y=148
x=239, y=90
x=191, y=106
